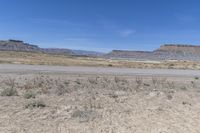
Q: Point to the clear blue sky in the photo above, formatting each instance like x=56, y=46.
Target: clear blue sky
x=101, y=25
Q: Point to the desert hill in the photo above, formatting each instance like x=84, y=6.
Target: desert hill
x=165, y=52
x=17, y=45
x=180, y=49
x=128, y=54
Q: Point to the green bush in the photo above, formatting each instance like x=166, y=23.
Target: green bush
x=9, y=92
x=35, y=104
x=29, y=94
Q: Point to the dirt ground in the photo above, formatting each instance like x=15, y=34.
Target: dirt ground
x=80, y=103
x=12, y=57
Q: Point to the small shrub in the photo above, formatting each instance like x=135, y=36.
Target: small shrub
x=154, y=81
x=93, y=80
x=158, y=81
x=169, y=97
x=183, y=88
x=60, y=90
x=29, y=94
x=113, y=95
x=106, y=80
x=78, y=81
x=196, y=78
x=186, y=103
x=145, y=84
x=66, y=83
x=9, y=92
x=110, y=65
x=171, y=66
x=193, y=84
x=28, y=85
x=10, y=82
x=84, y=116
x=120, y=80
x=171, y=85
x=139, y=82
x=35, y=104
x=117, y=79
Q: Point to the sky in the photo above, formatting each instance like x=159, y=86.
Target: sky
x=101, y=25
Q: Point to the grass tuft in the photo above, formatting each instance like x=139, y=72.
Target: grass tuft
x=9, y=92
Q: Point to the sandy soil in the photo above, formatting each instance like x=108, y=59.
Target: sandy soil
x=12, y=57
x=36, y=100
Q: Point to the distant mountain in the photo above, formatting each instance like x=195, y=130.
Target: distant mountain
x=87, y=53
x=180, y=49
x=128, y=54
x=17, y=45
x=178, y=52
x=57, y=51
x=165, y=52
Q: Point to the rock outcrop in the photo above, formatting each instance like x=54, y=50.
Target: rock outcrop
x=17, y=45
x=165, y=52
x=180, y=49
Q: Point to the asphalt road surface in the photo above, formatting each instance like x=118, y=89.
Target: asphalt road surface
x=17, y=68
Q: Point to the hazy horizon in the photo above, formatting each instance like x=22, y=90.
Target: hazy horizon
x=101, y=25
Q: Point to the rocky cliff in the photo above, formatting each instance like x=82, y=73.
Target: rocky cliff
x=165, y=52
x=17, y=45
x=180, y=49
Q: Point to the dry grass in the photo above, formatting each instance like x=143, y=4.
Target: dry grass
x=29, y=94
x=9, y=87
x=35, y=104
x=97, y=103
x=9, y=92
x=46, y=59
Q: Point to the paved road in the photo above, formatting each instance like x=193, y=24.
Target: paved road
x=8, y=68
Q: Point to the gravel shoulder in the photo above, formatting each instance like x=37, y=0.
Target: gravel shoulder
x=10, y=68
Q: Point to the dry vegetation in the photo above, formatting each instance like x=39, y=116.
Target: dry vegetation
x=46, y=59
x=93, y=104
